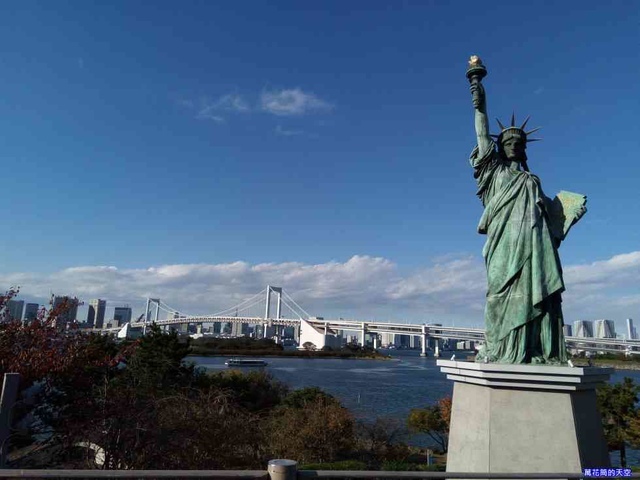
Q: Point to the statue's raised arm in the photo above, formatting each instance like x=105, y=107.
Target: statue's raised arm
x=475, y=73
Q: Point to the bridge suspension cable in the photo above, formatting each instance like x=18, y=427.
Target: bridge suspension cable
x=241, y=305
x=291, y=308
x=165, y=308
x=258, y=301
x=294, y=302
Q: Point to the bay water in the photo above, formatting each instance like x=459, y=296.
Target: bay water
x=377, y=388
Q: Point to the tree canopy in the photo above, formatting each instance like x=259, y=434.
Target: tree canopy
x=434, y=421
x=620, y=416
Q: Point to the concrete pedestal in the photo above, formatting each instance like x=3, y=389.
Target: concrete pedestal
x=524, y=418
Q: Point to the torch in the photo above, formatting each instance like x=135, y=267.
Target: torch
x=475, y=73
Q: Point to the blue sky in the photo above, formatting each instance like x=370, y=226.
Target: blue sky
x=301, y=139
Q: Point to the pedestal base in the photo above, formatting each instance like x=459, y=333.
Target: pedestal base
x=523, y=418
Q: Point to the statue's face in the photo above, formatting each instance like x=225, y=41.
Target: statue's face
x=514, y=149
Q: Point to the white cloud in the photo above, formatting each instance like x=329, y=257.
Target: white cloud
x=618, y=271
x=363, y=287
x=287, y=102
x=292, y=102
x=604, y=289
x=287, y=133
x=208, y=114
x=232, y=103
x=210, y=109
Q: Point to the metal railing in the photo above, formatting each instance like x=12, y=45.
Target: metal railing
x=288, y=470
x=300, y=474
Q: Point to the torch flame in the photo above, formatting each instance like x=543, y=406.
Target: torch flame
x=474, y=61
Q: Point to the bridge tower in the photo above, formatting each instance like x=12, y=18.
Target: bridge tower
x=267, y=309
x=147, y=312
x=278, y=292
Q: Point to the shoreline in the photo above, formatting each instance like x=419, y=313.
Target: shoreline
x=615, y=364
x=304, y=355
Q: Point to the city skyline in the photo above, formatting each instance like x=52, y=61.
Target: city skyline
x=321, y=148
x=123, y=313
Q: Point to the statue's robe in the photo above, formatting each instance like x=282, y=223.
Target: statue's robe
x=523, y=314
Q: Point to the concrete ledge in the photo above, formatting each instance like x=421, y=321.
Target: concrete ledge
x=533, y=377
x=525, y=368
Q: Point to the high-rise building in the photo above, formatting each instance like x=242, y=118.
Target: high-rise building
x=387, y=339
x=567, y=330
x=583, y=328
x=605, y=329
x=631, y=330
x=14, y=309
x=95, y=315
x=122, y=315
x=70, y=312
x=239, y=329
x=31, y=311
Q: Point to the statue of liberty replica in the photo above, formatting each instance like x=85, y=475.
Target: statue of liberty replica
x=524, y=229
x=521, y=406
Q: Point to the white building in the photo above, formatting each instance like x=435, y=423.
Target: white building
x=465, y=345
x=238, y=329
x=567, y=330
x=605, y=329
x=632, y=334
x=127, y=331
x=387, y=339
x=318, y=337
x=583, y=328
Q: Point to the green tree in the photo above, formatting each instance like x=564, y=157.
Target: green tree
x=205, y=429
x=309, y=346
x=380, y=441
x=312, y=427
x=434, y=421
x=158, y=412
x=617, y=405
x=158, y=360
x=255, y=391
x=121, y=414
x=301, y=397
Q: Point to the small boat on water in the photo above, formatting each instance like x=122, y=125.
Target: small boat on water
x=243, y=362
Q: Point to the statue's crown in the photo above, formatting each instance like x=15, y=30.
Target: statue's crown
x=515, y=132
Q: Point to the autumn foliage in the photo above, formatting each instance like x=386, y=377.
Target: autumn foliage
x=435, y=421
x=141, y=405
x=41, y=350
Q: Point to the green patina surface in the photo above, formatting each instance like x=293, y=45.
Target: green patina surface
x=524, y=228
